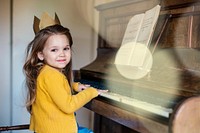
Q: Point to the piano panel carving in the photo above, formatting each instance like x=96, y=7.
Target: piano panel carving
x=151, y=104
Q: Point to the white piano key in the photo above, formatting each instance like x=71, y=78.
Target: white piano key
x=162, y=111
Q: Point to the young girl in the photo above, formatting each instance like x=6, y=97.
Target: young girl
x=48, y=70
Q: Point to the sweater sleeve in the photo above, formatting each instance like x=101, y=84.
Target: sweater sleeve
x=75, y=86
x=57, y=87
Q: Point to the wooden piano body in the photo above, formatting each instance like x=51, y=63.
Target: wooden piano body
x=172, y=83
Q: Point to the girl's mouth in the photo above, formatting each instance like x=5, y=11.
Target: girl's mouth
x=63, y=60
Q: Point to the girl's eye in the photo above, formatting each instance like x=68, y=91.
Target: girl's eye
x=54, y=50
x=67, y=48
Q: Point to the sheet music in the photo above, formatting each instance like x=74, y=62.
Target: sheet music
x=148, y=25
x=134, y=49
x=132, y=29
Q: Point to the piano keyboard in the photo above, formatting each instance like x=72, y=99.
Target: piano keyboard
x=155, y=109
x=149, y=107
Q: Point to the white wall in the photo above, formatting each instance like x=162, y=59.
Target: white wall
x=76, y=15
x=5, y=77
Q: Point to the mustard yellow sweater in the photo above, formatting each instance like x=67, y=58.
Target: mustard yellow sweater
x=53, y=110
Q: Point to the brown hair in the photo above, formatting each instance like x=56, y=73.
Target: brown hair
x=33, y=65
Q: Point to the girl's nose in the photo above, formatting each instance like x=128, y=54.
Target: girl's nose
x=62, y=53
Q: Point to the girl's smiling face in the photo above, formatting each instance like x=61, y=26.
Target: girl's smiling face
x=56, y=52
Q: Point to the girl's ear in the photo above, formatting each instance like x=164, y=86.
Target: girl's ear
x=40, y=56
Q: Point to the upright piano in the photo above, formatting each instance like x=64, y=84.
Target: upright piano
x=166, y=99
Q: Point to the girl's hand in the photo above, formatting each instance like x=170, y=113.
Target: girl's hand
x=82, y=87
x=101, y=91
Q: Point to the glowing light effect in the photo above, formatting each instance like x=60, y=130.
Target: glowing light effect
x=133, y=61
